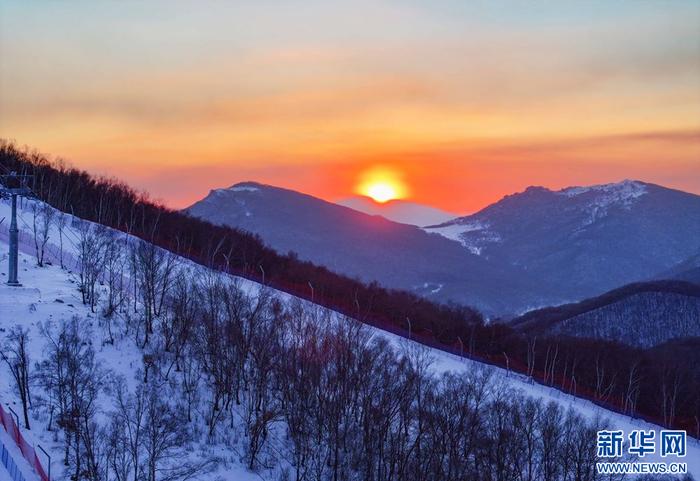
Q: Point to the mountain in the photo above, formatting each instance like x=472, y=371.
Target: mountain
x=641, y=314
x=531, y=249
x=687, y=270
x=124, y=385
x=398, y=210
x=370, y=248
x=586, y=240
x=153, y=340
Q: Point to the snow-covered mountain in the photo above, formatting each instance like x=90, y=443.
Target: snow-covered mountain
x=368, y=247
x=50, y=298
x=399, y=210
x=531, y=249
x=585, y=239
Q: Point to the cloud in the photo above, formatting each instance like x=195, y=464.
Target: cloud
x=164, y=75
x=317, y=91
x=457, y=177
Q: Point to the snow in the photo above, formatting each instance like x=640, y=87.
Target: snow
x=243, y=188
x=36, y=302
x=624, y=192
x=444, y=362
x=235, y=188
x=429, y=287
x=455, y=231
x=475, y=234
x=22, y=465
x=50, y=293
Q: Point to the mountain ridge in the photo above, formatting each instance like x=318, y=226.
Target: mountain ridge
x=596, y=237
x=530, y=249
x=644, y=314
x=367, y=247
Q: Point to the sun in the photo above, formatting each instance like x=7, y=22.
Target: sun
x=381, y=192
x=382, y=185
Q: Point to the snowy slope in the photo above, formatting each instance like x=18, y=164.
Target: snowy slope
x=50, y=293
x=586, y=204
x=583, y=240
x=16, y=455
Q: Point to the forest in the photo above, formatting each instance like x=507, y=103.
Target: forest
x=539, y=320
x=291, y=390
x=655, y=384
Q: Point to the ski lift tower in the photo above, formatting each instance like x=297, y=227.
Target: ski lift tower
x=14, y=185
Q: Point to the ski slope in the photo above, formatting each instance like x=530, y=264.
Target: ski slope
x=21, y=465
x=50, y=293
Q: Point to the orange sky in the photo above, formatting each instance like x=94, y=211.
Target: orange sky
x=467, y=102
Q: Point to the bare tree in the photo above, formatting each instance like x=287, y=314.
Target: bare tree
x=16, y=355
x=632, y=389
x=128, y=427
x=73, y=380
x=43, y=215
x=163, y=438
x=670, y=389
x=117, y=454
x=91, y=248
x=191, y=376
x=181, y=316
x=61, y=222
x=261, y=408
x=153, y=270
x=114, y=266
x=147, y=439
x=531, y=345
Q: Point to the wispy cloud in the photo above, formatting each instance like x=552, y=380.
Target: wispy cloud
x=144, y=88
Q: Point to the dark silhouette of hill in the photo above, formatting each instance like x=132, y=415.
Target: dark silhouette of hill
x=641, y=314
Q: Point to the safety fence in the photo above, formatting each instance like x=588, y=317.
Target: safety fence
x=28, y=452
x=10, y=465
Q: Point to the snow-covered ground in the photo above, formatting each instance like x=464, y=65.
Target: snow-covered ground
x=460, y=231
x=50, y=293
x=22, y=465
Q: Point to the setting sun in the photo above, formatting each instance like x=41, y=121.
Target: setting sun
x=381, y=192
x=382, y=185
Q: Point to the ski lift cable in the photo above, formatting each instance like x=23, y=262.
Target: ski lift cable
x=73, y=242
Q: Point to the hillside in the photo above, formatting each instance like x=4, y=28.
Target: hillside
x=585, y=240
x=687, y=270
x=370, y=248
x=231, y=250
x=453, y=329
x=50, y=300
x=643, y=314
x=531, y=249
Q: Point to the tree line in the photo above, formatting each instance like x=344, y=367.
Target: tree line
x=658, y=385
x=293, y=391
